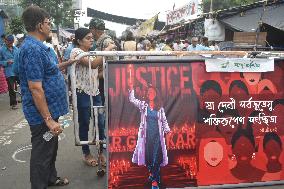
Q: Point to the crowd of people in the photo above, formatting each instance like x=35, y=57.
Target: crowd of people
x=129, y=42
x=41, y=69
x=36, y=65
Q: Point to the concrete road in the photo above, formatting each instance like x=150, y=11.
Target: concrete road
x=15, y=154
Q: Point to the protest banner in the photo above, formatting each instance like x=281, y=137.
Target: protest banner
x=147, y=26
x=172, y=122
x=189, y=11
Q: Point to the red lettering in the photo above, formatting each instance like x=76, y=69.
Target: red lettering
x=184, y=79
x=191, y=143
x=123, y=81
x=116, y=142
x=153, y=71
x=180, y=141
x=113, y=92
x=163, y=80
x=170, y=76
x=171, y=80
x=131, y=142
x=130, y=74
x=140, y=79
x=169, y=141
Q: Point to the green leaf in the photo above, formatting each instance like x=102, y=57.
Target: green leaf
x=60, y=10
x=16, y=26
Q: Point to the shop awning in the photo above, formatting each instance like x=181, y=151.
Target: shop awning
x=249, y=20
x=64, y=33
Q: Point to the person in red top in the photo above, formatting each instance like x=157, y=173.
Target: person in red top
x=3, y=82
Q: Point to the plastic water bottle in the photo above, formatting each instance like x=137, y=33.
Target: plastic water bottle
x=47, y=136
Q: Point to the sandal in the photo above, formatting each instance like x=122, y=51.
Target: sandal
x=155, y=185
x=59, y=182
x=90, y=160
x=103, y=160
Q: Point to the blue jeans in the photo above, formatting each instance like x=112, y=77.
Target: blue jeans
x=84, y=114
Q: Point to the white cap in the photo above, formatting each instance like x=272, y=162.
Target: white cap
x=19, y=36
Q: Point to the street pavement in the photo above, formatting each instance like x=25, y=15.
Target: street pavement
x=15, y=154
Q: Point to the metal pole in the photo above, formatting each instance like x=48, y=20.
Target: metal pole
x=211, y=6
x=259, y=26
x=181, y=53
x=74, y=102
x=106, y=119
x=163, y=53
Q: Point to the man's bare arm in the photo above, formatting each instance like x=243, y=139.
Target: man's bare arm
x=65, y=64
x=41, y=104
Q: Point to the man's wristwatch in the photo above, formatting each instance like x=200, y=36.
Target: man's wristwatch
x=47, y=118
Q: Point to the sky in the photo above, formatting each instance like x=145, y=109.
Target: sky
x=142, y=9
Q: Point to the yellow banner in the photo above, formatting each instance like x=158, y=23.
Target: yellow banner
x=147, y=26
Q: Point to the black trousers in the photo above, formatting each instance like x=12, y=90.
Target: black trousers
x=11, y=81
x=43, y=157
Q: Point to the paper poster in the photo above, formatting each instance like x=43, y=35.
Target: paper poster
x=239, y=65
x=173, y=123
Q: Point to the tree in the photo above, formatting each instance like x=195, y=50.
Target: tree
x=223, y=4
x=60, y=10
x=16, y=26
x=11, y=10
